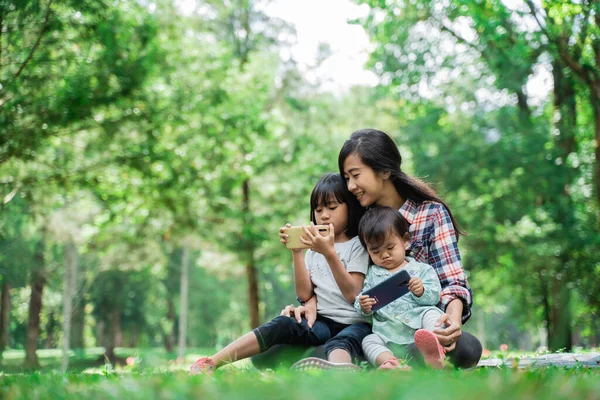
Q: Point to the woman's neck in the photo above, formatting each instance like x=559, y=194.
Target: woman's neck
x=390, y=196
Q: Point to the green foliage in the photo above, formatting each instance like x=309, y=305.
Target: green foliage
x=550, y=383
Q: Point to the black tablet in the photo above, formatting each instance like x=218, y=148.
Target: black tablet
x=389, y=290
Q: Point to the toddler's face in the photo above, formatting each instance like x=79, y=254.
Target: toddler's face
x=392, y=253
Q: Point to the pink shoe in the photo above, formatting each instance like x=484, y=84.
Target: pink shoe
x=429, y=345
x=204, y=366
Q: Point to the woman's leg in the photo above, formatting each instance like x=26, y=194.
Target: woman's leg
x=467, y=352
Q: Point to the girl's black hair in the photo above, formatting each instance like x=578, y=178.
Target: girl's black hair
x=379, y=151
x=332, y=186
x=378, y=223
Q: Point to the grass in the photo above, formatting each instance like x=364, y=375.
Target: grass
x=152, y=377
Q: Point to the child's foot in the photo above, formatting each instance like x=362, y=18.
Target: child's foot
x=429, y=345
x=318, y=363
x=392, y=363
x=204, y=366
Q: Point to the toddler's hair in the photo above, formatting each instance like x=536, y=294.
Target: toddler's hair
x=377, y=223
x=331, y=186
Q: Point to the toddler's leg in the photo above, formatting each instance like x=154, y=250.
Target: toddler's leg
x=375, y=350
x=427, y=343
x=429, y=319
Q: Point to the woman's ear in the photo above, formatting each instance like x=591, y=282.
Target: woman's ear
x=384, y=174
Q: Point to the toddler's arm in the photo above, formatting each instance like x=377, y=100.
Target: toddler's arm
x=431, y=287
x=364, y=304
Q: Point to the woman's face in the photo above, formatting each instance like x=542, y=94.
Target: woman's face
x=363, y=182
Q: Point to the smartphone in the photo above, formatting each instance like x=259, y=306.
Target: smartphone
x=296, y=232
x=389, y=290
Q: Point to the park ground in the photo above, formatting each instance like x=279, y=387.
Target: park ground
x=151, y=374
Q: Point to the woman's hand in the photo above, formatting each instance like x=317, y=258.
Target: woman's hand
x=449, y=335
x=317, y=242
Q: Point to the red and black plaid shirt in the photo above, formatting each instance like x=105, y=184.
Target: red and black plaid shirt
x=433, y=241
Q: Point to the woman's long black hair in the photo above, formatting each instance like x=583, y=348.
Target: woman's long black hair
x=379, y=151
x=333, y=186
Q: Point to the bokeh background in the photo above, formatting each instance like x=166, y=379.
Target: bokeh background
x=150, y=150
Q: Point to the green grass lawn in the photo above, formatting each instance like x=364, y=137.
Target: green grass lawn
x=152, y=377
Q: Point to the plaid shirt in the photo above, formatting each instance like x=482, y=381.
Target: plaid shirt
x=433, y=241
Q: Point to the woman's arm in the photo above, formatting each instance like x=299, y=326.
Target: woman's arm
x=445, y=258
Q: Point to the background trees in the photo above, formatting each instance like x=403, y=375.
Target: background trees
x=134, y=137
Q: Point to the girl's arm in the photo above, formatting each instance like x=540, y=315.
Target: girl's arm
x=350, y=277
x=350, y=283
x=302, y=282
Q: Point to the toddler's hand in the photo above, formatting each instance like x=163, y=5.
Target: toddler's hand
x=366, y=303
x=415, y=285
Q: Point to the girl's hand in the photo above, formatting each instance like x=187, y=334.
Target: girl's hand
x=415, y=285
x=449, y=331
x=284, y=237
x=366, y=303
x=308, y=311
x=317, y=242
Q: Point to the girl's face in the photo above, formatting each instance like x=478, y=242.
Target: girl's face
x=333, y=212
x=366, y=184
x=391, y=254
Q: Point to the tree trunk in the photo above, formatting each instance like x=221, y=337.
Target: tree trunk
x=112, y=337
x=4, y=317
x=78, y=325
x=184, y=301
x=71, y=261
x=559, y=330
x=595, y=98
x=50, y=328
x=251, y=274
x=170, y=334
x=38, y=281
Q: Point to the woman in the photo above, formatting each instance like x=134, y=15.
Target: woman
x=371, y=164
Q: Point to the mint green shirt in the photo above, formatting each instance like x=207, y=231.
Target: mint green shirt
x=398, y=321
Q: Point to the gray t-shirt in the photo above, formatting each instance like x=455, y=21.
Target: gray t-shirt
x=330, y=300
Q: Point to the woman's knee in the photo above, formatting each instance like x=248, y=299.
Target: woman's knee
x=467, y=352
